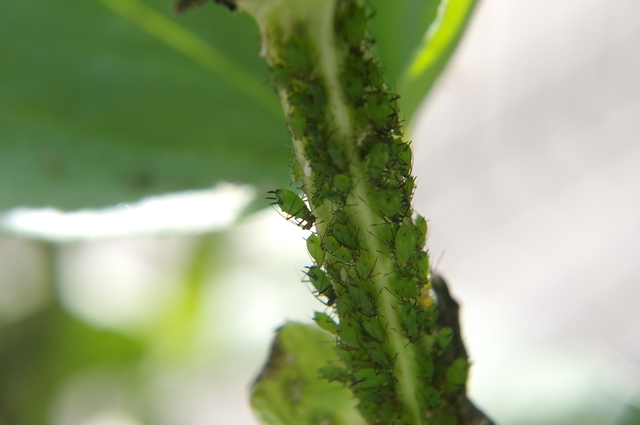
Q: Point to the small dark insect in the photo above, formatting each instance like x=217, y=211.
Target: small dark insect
x=183, y=5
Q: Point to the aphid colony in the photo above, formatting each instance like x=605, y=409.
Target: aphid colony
x=369, y=269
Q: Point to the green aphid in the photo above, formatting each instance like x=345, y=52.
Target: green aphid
x=409, y=317
x=348, y=333
x=409, y=186
x=296, y=173
x=377, y=354
x=373, y=328
x=376, y=78
x=322, y=283
x=389, y=202
x=342, y=182
x=353, y=87
x=341, y=217
x=364, y=266
x=344, y=235
x=351, y=23
x=280, y=76
x=361, y=297
x=299, y=52
x=336, y=153
x=421, y=262
x=343, y=254
x=371, y=378
x=403, y=286
x=292, y=205
x=330, y=243
x=333, y=373
x=430, y=396
x=421, y=228
x=327, y=193
x=297, y=123
x=306, y=104
x=325, y=322
x=405, y=243
x=403, y=155
x=344, y=305
x=428, y=367
x=315, y=249
x=444, y=337
x=456, y=375
x=378, y=109
x=378, y=157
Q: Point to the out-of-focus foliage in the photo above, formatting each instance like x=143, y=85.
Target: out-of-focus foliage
x=108, y=101
x=38, y=354
x=415, y=40
x=97, y=108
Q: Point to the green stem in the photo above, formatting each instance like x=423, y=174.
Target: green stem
x=355, y=171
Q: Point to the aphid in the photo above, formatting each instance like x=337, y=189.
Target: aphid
x=405, y=243
x=330, y=244
x=353, y=87
x=321, y=282
x=297, y=123
x=334, y=373
x=351, y=23
x=430, y=396
x=373, y=328
x=444, y=337
x=403, y=286
x=375, y=76
x=409, y=317
x=299, y=52
x=292, y=205
x=456, y=375
x=348, y=333
x=377, y=354
x=296, y=174
x=343, y=254
x=421, y=227
x=389, y=202
x=361, y=297
x=343, y=235
x=342, y=182
x=315, y=250
x=364, y=266
x=421, y=262
x=378, y=108
x=371, y=378
x=326, y=193
x=325, y=322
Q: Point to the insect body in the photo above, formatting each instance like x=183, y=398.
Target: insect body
x=292, y=205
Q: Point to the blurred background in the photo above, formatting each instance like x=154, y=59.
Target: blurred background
x=161, y=311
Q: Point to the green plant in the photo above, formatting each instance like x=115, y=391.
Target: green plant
x=398, y=354
x=353, y=167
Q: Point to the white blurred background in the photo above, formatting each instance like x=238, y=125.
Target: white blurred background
x=528, y=167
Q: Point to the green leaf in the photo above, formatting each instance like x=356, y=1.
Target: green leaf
x=414, y=41
x=42, y=352
x=109, y=101
x=289, y=391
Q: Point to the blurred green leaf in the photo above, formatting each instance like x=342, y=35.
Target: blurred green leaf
x=108, y=101
x=289, y=390
x=414, y=41
x=39, y=353
x=630, y=415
